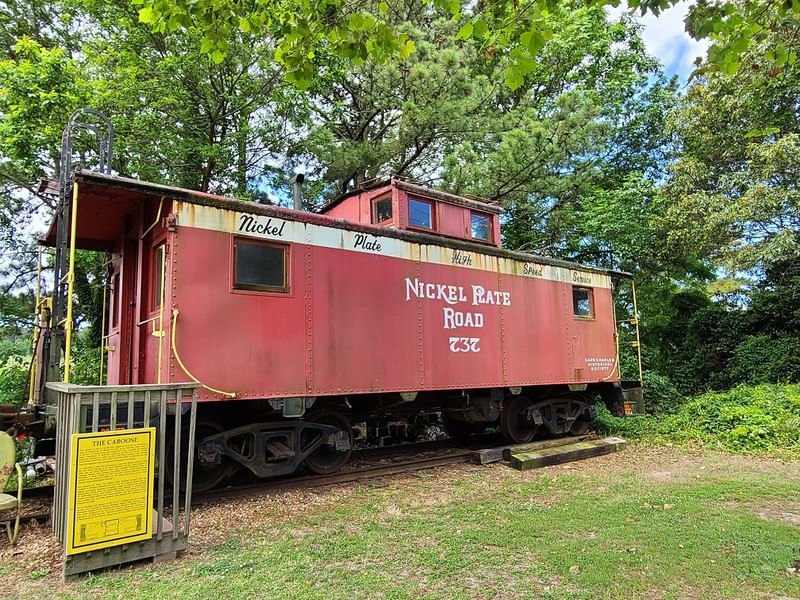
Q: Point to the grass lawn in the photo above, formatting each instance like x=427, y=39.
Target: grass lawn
x=643, y=523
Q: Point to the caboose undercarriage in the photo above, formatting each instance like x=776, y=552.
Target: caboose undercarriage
x=321, y=440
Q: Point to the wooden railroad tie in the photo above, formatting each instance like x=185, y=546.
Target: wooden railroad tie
x=523, y=458
x=490, y=455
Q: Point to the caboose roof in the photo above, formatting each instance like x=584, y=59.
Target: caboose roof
x=105, y=201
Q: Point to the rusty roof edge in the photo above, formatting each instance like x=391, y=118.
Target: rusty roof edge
x=447, y=197
x=144, y=186
x=317, y=219
x=371, y=185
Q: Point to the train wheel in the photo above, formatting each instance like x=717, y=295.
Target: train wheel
x=460, y=431
x=582, y=423
x=204, y=477
x=335, y=452
x=579, y=427
x=513, y=424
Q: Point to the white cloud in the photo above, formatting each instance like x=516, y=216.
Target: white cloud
x=665, y=38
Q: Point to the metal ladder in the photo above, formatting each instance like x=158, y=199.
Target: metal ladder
x=60, y=325
x=634, y=402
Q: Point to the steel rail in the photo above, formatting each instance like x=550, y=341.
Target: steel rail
x=304, y=481
x=291, y=482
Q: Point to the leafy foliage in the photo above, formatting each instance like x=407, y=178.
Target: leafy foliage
x=361, y=30
x=700, y=344
x=87, y=361
x=41, y=88
x=661, y=395
x=752, y=420
x=15, y=360
x=733, y=190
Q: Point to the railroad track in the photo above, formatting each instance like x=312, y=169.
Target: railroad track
x=307, y=481
x=39, y=496
x=393, y=463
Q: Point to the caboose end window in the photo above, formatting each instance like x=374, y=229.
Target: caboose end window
x=382, y=210
x=420, y=213
x=260, y=266
x=481, y=226
x=582, y=302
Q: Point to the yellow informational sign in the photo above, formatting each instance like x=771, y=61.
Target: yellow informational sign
x=111, y=489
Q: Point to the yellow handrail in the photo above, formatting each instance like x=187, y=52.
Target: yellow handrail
x=158, y=218
x=175, y=313
x=636, y=317
x=71, y=280
x=163, y=252
x=103, y=336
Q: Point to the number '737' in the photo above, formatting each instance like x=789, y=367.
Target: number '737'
x=463, y=344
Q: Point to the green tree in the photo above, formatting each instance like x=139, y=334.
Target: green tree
x=572, y=152
x=358, y=30
x=398, y=118
x=181, y=119
x=733, y=190
x=40, y=88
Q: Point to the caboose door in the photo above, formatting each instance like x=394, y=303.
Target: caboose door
x=114, y=302
x=122, y=313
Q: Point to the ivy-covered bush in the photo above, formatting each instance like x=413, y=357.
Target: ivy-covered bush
x=86, y=361
x=660, y=393
x=764, y=359
x=746, y=419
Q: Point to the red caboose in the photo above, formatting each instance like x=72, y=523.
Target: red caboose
x=395, y=299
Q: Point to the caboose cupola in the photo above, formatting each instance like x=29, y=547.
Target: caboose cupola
x=402, y=205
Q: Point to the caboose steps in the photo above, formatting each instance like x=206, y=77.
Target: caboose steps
x=561, y=454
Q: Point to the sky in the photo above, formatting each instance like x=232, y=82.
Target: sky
x=667, y=39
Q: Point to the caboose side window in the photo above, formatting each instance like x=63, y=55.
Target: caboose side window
x=159, y=256
x=582, y=302
x=420, y=213
x=114, y=301
x=481, y=226
x=260, y=266
x=382, y=210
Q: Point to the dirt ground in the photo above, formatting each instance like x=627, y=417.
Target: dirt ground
x=37, y=555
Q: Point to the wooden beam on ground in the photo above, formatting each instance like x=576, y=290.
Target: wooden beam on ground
x=562, y=454
x=490, y=455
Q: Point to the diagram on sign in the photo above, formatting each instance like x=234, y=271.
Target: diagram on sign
x=99, y=530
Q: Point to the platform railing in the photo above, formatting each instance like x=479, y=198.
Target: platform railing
x=94, y=409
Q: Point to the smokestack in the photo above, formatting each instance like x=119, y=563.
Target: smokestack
x=297, y=190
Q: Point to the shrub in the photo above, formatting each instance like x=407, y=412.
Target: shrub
x=752, y=420
x=749, y=419
x=15, y=361
x=85, y=362
x=661, y=396
x=765, y=359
